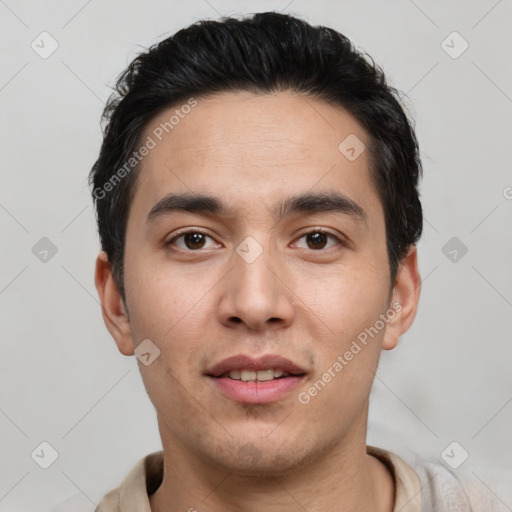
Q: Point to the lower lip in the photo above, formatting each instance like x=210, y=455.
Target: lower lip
x=256, y=392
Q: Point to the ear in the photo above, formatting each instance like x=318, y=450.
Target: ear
x=113, y=309
x=404, y=300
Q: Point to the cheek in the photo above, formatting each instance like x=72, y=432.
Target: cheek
x=347, y=299
x=172, y=317
x=165, y=299
x=175, y=311
x=348, y=303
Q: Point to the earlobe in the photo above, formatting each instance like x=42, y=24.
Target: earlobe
x=113, y=309
x=405, y=298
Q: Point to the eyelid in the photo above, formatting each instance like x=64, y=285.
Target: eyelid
x=341, y=241
x=187, y=231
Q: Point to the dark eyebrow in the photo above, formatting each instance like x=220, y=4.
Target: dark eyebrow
x=309, y=202
x=195, y=203
x=319, y=203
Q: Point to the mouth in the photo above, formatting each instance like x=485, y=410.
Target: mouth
x=247, y=375
x=256, y=380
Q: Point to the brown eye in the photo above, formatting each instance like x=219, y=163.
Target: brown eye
x=194, y=240
x=316, y=240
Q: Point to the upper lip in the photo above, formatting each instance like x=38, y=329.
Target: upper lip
x=244, y=362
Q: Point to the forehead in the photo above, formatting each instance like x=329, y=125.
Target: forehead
x=250, y=148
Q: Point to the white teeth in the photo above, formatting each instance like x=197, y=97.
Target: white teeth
x=265, y=375
x=235, y=374
x=261, y=375
x=248, y=375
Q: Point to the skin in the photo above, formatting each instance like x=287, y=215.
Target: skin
x=199, y=306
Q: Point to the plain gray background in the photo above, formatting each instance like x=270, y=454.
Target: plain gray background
x=63, y=380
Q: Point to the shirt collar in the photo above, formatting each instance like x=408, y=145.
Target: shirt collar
x=146, y=476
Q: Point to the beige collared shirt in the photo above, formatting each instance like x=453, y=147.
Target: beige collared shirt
x=421, y=486
x=146, y=476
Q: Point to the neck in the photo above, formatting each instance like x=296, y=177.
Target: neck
x=342, y=479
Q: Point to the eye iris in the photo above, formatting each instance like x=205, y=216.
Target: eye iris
x=194, y=240
x=317, y=240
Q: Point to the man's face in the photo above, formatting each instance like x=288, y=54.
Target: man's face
x=254, y=282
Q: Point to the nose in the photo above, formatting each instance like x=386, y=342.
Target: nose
x=256, y=294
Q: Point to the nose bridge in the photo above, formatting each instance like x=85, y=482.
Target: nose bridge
x=256, y=294
x=253, y=272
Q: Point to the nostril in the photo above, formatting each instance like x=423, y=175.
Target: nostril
x=236, y=320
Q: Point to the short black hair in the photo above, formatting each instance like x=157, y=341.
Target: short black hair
x=264, y=53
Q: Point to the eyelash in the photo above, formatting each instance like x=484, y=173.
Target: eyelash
x=339, y=241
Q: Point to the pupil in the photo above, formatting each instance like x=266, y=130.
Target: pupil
x=318, y=240
x=194, y=240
